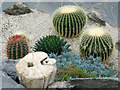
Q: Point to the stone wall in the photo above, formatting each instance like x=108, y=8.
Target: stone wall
x=108, y=10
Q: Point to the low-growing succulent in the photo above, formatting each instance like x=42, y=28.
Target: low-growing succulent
x=96, y=42
x=70, y=72
x=69, y=21
x=92, y=67
x=17, y=47
x=51, y=44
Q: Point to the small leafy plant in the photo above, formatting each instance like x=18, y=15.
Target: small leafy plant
x=17, y=47
x=92, y=67
x=72, y=72
x=51, y=44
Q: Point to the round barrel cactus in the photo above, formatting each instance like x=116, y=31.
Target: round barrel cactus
x=96, y=42
x=17, y=47
x=69, y=21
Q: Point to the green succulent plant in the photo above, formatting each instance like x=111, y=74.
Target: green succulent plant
x=17, y=47
x=69, y=21
x=71, y=72
x=71, y=66
x=96, y=42
x=51, y=44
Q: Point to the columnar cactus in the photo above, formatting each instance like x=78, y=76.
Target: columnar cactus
x=96, y=42
x=69, y=21
x=17, y=47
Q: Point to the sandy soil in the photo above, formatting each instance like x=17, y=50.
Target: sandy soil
x=38, y=24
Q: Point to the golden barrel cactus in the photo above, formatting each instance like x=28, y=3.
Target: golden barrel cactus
x=69, y=21
x=96, y=42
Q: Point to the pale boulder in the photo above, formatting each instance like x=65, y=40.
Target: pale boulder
x=36, y=70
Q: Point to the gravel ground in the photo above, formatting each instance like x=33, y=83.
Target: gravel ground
x=38, y=24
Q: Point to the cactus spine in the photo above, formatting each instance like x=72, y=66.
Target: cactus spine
x=96, y=42
x=17, y=47
x=69, y=21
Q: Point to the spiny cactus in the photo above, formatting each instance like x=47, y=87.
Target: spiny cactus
x=17, y=47
x=69, y=21
x=51, y=44
x=96, y=42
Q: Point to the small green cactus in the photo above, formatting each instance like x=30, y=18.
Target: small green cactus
x=51, y=44
x=69, y=21
x=96, y=42
x=17, y=47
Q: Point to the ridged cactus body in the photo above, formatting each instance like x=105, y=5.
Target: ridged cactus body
x=69, y=21
x=96, y=42
x=17, y=47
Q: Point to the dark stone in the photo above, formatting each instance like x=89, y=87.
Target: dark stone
x=94, y=83
x=7, y=82
x=117, y=45
x=86, y=83
x=9, y=66
x=109, y=12
x=59, y=85
x=17, y=9
x=95, y=18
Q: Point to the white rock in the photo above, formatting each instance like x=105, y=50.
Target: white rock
x=36, y=70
